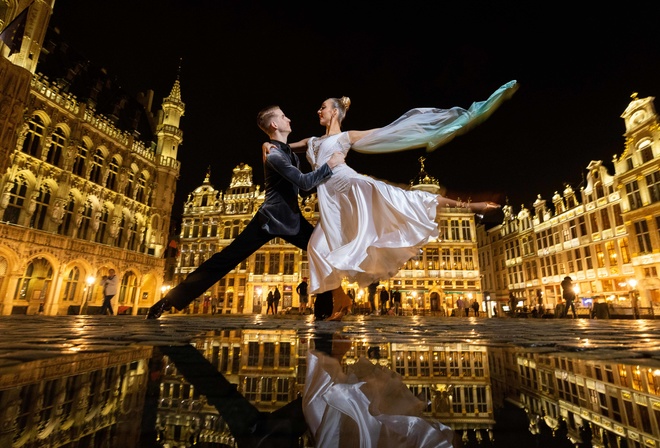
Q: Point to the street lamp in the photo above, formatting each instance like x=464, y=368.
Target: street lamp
x=90, y=280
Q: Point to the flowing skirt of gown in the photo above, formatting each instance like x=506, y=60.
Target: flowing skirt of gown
x=367, y=228
x=370, y=407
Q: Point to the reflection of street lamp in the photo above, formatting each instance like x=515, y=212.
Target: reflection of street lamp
x=633, y=297
x=90, y=280
x=163, y=290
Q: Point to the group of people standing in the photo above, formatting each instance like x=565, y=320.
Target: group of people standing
x=463, y=308
x=273, y=301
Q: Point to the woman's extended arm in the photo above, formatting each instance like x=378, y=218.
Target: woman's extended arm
x=300, y=145
x=354, y=136
x=476, y=207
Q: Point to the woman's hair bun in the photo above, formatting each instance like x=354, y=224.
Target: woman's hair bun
x=345, y=101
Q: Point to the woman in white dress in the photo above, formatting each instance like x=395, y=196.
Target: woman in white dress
x=367, y=228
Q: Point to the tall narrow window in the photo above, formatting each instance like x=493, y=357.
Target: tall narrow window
x=34, y=138
x=611, y=253
x=101, y=236
x=600, y=256
x=67, y=219
x=605, y=218
x=140, y=188
x=41, y=203
x=56, y=148
x=113, y=174
x=643, y=236
x=653, y=185
x=455, y=234
x=71, y=283
x=468, y=257
x=259, y=263
x=17, y=196
x=587, y=257
x=86, y=220
x=633, y=195
x=625, y=252
x=274, y=263
x=289, y=258
x=467, y=232
x=80, y=160
x=97, y=166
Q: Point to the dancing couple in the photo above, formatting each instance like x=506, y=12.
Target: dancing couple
x=367, y=228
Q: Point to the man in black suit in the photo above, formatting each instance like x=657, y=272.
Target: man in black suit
x=278, y=216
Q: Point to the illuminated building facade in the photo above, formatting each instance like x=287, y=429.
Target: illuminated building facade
x=87, y=178
x=606, y=238
x=446, y=268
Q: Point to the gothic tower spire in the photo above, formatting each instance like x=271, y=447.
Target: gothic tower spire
x=169, y=133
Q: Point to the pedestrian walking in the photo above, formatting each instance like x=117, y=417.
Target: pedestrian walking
x=110, y=284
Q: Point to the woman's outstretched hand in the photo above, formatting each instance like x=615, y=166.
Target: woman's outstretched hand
x=265, y=149
x=484, y=207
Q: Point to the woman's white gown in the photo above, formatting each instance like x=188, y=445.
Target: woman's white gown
x=367, y=228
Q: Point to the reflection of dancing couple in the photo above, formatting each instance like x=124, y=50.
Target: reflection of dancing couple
x=367, y=406
x=367, y=229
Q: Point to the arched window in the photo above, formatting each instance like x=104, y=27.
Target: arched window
x=16, y=200
x=41, y=204
x=97, y=166
x=128, y=289
x=81, y=157
x=34, y=137
x=56, y=148
x=71, y=283
x=113, y=170
x=36, y=281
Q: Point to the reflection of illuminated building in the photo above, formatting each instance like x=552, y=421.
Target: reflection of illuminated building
x=86, y=399
x=269, y=367
x=611, y=403
x=445, y=269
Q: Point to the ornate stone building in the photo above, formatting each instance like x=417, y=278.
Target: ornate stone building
x=606, y=237
x=87, y=177
x=446, y=269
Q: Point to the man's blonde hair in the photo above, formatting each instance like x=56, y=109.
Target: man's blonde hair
x=264, y=118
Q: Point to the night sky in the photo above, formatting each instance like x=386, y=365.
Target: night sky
x=577, y=69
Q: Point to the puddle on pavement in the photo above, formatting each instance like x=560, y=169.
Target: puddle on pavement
x=491, y=394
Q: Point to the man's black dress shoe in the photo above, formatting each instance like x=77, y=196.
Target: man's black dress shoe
x=158, y=308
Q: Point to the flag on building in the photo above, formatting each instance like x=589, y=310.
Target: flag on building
x=13, y=33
